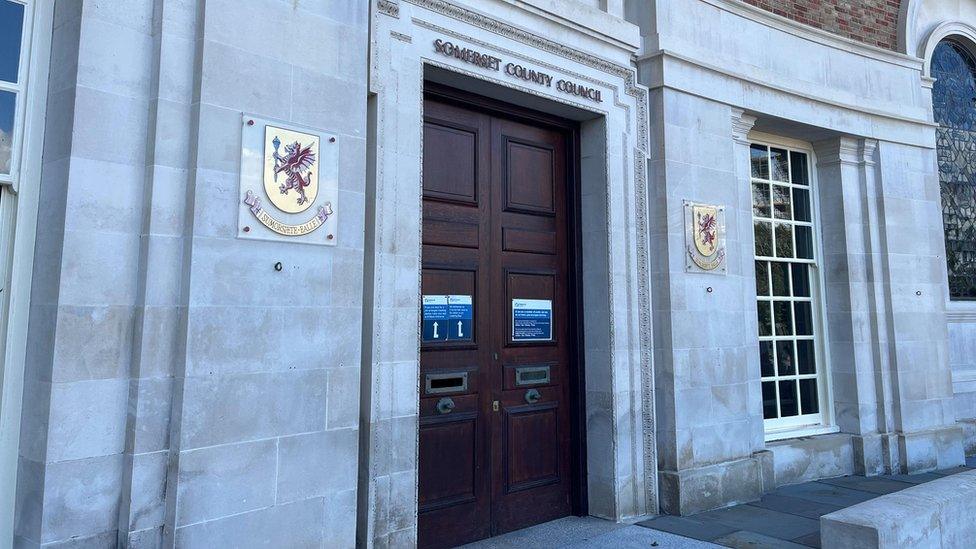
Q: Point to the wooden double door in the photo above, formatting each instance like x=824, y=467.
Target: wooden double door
x=498, y=438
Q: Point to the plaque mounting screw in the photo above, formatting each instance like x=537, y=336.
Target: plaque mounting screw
x=919, y=292
x=331, y=236
x=332, y=140
x=709, y=289
x=250, y=122
x=247, y=229
x=278, y=266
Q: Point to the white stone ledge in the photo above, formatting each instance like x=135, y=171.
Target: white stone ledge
x=935, y=514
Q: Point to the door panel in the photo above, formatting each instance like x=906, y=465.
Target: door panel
x=495, y=228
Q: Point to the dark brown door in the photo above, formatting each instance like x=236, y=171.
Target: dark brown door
x=495, y=406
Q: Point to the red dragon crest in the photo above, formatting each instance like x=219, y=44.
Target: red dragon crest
x=296, y=164
x=706, y=229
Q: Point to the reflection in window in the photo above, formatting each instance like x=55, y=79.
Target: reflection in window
x=8, y=101
x=953, y=96
x=11, y=34
x=11, y=30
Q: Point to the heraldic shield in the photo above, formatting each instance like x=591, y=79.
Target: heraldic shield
x=705, y=225
x=291, y=174
x=289, y=183
x=706, y=228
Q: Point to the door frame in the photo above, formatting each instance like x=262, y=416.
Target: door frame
x=577, y=381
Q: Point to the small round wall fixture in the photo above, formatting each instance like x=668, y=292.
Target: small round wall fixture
x=278, y=266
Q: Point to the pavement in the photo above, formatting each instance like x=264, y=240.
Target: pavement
x=587, y=533
x=788, y=517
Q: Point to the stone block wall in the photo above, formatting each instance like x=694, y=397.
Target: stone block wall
x=874, y=22
x=180, y=390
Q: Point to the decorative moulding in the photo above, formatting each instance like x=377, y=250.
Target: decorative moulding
x=956, y=29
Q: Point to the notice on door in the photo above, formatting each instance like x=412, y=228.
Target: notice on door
x=447, y=318
x=531, y=320
x=459, y=315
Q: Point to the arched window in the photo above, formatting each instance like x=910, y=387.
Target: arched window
x=954, y=106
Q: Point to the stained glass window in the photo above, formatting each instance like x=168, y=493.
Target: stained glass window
x=786, y=266
x=954, y=106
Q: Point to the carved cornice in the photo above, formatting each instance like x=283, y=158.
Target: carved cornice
x=388, y=7
x=839, y=150
x=866, y=151
x=742, y=123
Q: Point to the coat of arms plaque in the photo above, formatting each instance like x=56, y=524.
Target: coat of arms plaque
x=289, y=183
x=705, y=236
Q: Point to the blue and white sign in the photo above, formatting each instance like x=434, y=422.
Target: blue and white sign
x=447, y=318
x=435, y=318
x=459, y=314
x=531, y=320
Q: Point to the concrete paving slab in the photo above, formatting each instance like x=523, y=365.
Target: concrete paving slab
x=691, y=527
x=771, y=523
x=635, y=537
x=918, y=478
x=825, y=493
x=557, y=533
x=795, y=506
x=810, y=540
x=753, y=540
x=874, y=485
x=952, y=471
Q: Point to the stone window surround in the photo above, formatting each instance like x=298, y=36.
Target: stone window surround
x=957, y=311
x=621, y=452
x=18, y=217
x=782, y=430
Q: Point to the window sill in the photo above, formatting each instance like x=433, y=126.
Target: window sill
x=802, y=431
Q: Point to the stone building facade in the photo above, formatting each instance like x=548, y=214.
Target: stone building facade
x=174, y=375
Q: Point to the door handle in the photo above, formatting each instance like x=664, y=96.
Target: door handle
x=532, y=396
x=445, y=405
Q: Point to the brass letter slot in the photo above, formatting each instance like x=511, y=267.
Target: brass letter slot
x=447, y=383
x=531, y=375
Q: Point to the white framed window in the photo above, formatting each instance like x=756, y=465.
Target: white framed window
x=792, y=357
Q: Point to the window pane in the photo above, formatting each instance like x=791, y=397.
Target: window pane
x=760, y=161
x=804, y=242
x=954, y=69
x=762, y=278
x=801, y=204
x=788, y=405
x=781, y=202
x=801, y=280
x=781, y=282
x=804, y=318
x=779, y=168
x=783, y=315
x=11, y=29
x=764, y=238
x=784, y=240
x=798, y=168
x=769, y=399
x=760, y=200
x=786, y=364
x=7, y=105
x=808, y=396
x=766, y=358
x=805, y=359
x=765, y=321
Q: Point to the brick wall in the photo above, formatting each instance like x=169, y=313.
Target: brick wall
x=873, y=22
